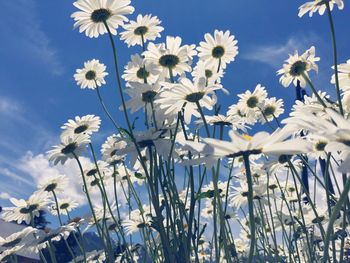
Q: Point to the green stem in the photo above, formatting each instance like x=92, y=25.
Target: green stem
x=203, y=117
x=313, y=89
x=334, y=44
x=251, y=207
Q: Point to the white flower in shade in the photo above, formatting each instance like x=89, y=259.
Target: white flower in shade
x=134, y=224
x=91, y=257
x=69, y=146
x=87, y=124
x=208, y=210
x=312, y=105
x=250, y=101
x=186, y=92
x=271, y=109
x=65, y=205
x=94, y=13
x=236, y=111
x=296, y=66
x=319, y=144
x=17, y=242
x=92, y=75
x=51, y=235
x=219, y=50
x=145, y=28
x=223, y=120
x=343, y=75
x=56, y=183
x=319, y=6
x=346, y=101
x=23, y=209
x=111, y=149
x=205, y=69
x=142, y=95
x=138, y=71
x=238, y=195
x=170, y=56
x=91, y=170
x=146, y=139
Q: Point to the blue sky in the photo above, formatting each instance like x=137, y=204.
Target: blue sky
x=40, y=52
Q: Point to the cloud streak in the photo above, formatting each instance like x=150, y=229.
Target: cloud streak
x=25, y=36
x=275, y=54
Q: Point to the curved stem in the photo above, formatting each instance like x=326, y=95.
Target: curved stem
x=313, y=89
x=334, y=44
x=106, y=110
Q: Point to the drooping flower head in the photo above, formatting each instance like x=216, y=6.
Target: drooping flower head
x=69, y=147
x=296, y=66
x=319, y=6
x=92, y=75
x=94, y=13
x=25, y=210
x=219, y=50
x=343, y=75
x=145, y=28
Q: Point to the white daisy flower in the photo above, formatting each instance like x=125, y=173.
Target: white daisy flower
x=238, y=195
x=56, y=183
x=319, y=144
x=69, y=146
x=94, y=13
x=296, y=66
x=142, y=95
x=111, y=149
x=251, y=101
x=24, y=209
x=87, y=124
x=134, y=225
x=65, y=205
x=186, y=92
x=138, y=71
x=274, y=144
x=91, y=257
x=170, y=57
x=145, y=28
x=222, y=120
x=343, y=75
x=218, y=50
x=271, y=109
x=236, y=111
x=92, y=75
x=205, y=69
x=319, y=6
x=17, y=242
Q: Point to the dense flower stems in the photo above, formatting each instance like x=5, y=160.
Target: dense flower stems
x=334, y=216
x=251, y=208
x=335, y=58
x=61, y=224
x=168, y=254
x=100, y=232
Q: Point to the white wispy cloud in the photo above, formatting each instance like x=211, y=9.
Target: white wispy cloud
x=275, y=54
x=25, y=36
x=4, y=195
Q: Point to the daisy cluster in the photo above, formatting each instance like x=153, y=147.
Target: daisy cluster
x=194, y=182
